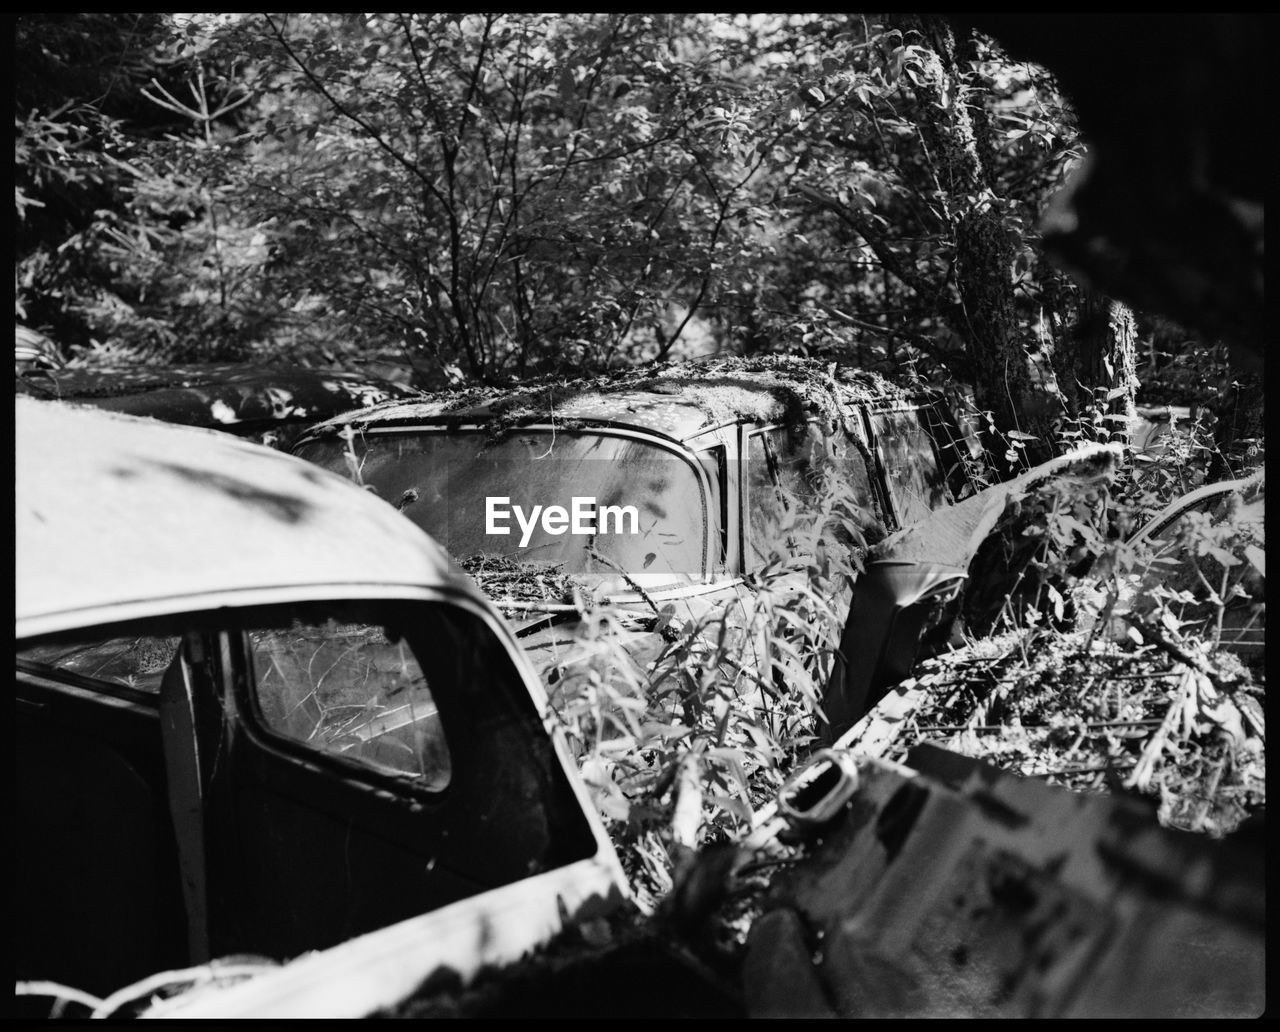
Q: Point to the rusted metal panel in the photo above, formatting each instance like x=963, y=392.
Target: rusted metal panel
x=958, y=890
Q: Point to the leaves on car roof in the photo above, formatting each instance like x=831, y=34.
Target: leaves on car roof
x=771, y=388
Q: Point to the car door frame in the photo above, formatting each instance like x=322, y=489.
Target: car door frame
x=125, y=726
x=244, y=768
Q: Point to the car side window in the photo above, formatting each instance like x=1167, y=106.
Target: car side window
x=958, y=449
x=351, y=691
x=851, y=466
x=775, y=486
x=915, y=478
x=136, y=662
x=786, y=479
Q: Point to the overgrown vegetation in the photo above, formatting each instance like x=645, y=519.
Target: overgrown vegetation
x=1138, y=667
x=472, y=199
x=685, y=729
x=1155, y=687
x=1092, y=661
x=458, y=197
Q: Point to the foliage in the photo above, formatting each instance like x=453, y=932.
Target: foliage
x=679, y=747
x=1114, y=664
x=480, y=196
x=1205, y=577
x=502, y=193
x=1102, y=715
x=485, y=197
x=80, y=123
x=1173, y=459
x=1177, y=368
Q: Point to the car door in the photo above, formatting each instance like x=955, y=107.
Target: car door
x=97, y=897
x=364, y=763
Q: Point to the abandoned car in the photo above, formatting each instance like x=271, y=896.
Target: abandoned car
x=661, y=490
x=710, y=456
x=270, y=405
x=908, y=597
x=259, y=714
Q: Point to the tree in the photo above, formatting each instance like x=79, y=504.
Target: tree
x=933, y=158
x=960, y=138
x=1168, y=213
x=575, y=182
x=75, y=82
x=497, y=195
x=1094, y=363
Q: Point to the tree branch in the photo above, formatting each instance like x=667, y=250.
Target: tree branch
x=860, y=226
x=342, y=110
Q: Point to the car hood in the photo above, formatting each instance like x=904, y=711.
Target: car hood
x=951, y=537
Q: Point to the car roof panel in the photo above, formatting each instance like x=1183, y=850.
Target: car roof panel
x=679, y=400
x=115, y=512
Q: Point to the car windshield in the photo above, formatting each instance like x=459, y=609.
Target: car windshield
x=594, y=503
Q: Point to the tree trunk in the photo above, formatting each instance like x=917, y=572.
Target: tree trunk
x=995, y=341
x=1095, y=364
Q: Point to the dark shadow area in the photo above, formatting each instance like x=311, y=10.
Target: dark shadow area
x=283, y=507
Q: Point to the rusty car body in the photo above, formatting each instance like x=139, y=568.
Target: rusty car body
x=945, y=887
x=720, y=459
x=259, y=713
x=901, y=605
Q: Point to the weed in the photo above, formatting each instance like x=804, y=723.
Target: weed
x=681, y=743
x=1114, y=663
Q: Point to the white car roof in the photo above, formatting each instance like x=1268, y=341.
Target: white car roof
x=124, y=518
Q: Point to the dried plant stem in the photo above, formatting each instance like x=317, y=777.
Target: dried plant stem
x=1038, y=727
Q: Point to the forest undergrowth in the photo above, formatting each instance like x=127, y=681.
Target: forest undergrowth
x=1113, y=666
